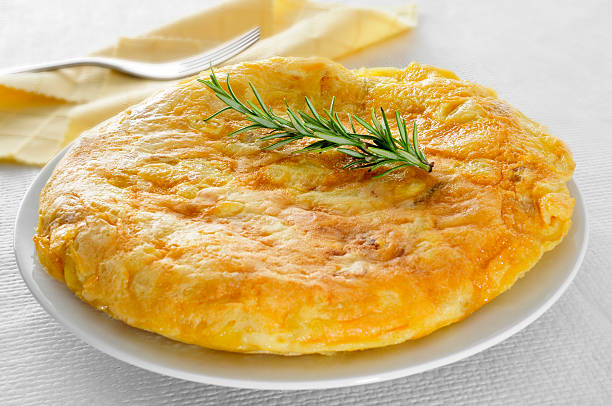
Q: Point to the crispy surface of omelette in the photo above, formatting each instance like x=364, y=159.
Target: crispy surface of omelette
x=162, y=221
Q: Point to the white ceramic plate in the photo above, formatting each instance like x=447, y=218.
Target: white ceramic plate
x=498, y=320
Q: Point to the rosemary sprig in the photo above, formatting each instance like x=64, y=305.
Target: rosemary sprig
x=375, y=149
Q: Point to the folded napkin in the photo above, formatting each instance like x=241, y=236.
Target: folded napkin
x=42, y=112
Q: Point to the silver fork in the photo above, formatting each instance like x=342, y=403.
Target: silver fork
x=158, y=71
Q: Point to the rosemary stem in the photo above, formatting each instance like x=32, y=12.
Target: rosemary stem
x=376, y=148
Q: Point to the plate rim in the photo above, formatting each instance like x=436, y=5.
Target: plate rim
x=102, y=346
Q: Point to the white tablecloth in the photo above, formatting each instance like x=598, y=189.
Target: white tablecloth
x=551, y=59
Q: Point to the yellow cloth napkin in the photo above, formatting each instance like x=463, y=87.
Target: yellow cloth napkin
x=42, y=112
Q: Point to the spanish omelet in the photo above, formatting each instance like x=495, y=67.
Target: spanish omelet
x=162, y=221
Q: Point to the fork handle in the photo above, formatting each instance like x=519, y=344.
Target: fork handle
x=67, y=63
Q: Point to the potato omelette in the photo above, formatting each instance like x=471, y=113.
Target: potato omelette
x=162, y=221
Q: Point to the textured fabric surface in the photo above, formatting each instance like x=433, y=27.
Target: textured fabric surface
x=548, y=58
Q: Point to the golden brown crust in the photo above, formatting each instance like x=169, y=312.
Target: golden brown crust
x=161, y=221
